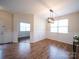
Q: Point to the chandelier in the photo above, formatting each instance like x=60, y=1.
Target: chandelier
x=51, y=19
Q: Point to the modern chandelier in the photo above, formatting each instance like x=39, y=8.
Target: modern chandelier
x=50, y=19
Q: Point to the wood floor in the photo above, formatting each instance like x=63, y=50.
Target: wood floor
x=45, y=49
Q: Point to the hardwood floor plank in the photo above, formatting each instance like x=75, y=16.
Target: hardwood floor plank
x=45, y=49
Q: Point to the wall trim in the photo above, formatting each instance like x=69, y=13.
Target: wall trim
x=60, y=41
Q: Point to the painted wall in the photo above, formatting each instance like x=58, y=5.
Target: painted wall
x=73, y=29
x=6, y=26
x=39, y=28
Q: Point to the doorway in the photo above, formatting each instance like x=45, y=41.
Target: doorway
x=24, y=32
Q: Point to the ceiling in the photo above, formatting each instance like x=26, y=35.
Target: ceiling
x=41, y=7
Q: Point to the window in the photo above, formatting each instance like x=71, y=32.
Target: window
x=59, y=26
x=24, y=27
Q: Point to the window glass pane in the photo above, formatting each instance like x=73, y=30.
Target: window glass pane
x=28, y=25
x=63, y=22
x=27, y=29
x=54, y=29
x=54, y=24
x=24, y=27
x=63, y=29
x=22, y=24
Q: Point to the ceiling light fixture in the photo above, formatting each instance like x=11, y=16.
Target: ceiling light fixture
x=50, y=19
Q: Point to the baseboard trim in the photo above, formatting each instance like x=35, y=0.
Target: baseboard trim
x=37, y=41
x=6, y=43
x=59, y=41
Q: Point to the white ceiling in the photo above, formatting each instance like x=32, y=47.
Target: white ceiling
x=60, y=7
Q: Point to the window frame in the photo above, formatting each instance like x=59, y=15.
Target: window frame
x=58, y=26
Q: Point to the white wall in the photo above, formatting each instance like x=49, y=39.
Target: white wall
x=6, y=23
x=73, y=29
x=39, y=28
